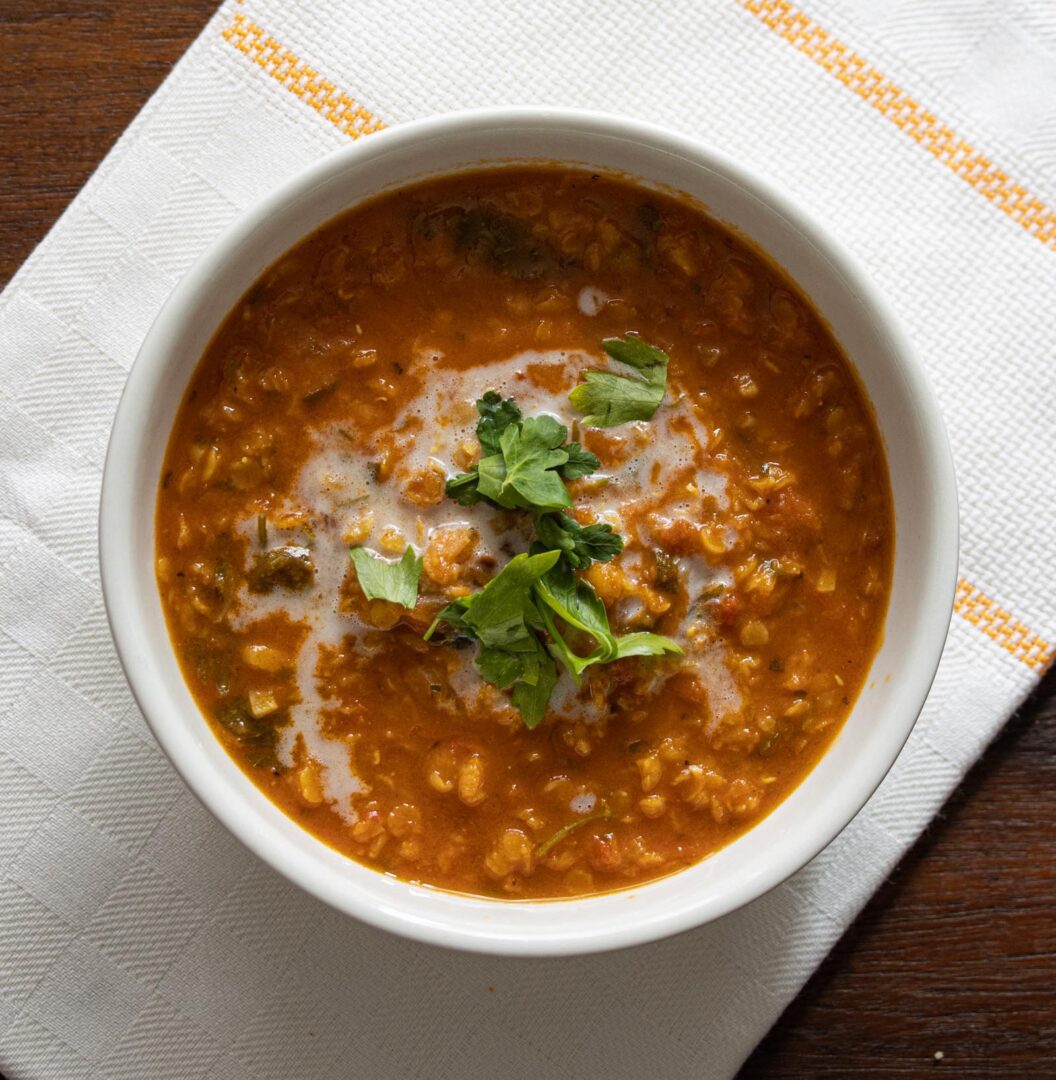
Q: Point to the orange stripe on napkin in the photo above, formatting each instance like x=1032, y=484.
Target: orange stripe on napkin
x=892, y=102
x=1001, y=626
x=296, y=76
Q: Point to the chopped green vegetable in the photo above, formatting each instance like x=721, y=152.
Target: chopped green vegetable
x=257, y=734
x=607, y=400
x=285, y=567
x=769, y=744
x=505, y=243
x=580, y=545
x=320, y=392
x=666, y=576
x=209, y=664
x=381, y=579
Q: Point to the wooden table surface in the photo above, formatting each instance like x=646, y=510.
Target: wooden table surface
x=956, y=953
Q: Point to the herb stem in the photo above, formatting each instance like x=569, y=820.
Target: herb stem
x=566, y=830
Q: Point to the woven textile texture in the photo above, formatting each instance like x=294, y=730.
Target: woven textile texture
x=137, y=938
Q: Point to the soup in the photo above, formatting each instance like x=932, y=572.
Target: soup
x=524, y=533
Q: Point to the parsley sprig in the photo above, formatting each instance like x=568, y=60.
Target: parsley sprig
x=606, y=399
x=580, y=545
x=531, y=596
x=525, y=461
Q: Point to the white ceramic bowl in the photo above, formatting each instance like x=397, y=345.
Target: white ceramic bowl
x=921, y=474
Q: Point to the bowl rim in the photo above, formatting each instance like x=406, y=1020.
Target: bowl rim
x=123, y=614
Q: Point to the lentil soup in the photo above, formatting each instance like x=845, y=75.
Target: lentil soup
x=524, y=533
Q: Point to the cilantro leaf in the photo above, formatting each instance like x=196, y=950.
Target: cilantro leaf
x=496, y=416
x=580, y=545
x=606, y=399
x=580, y=462
x=383, y=580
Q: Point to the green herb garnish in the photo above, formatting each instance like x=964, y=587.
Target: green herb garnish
x=607, y=400
x=524, y=601
x=547, y=845
x=517, y=618
x=580, y=545
x=381, y=579
x=496, y=415
x=525, y=462
x=503, y=618
x=575, y=602
x=524, y=473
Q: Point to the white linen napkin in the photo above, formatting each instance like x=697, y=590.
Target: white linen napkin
x=137, y=938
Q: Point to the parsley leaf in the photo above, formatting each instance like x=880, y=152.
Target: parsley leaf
x=524, y=473
x=531, y=693
x=607, y=400
x=463, y=488
x=383, y=580
x=580, y=462
x=580, y=545
x=504, y=619
x=524, y=600
x=524, y=462
x=576, y=603
x=498, y=667
x=498, y=615
x=496, y=416
x=644, y=644
x=516, y=618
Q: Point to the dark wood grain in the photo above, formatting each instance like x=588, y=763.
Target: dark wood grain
x=957, y=951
